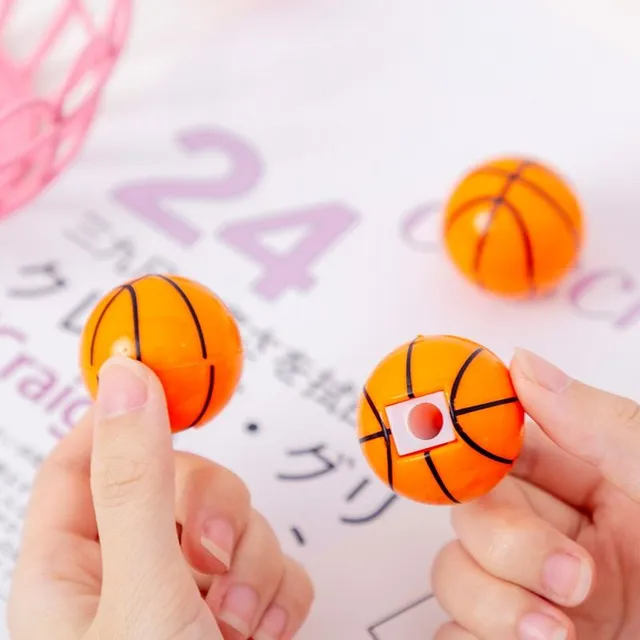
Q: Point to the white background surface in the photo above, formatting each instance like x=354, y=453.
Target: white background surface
x=379, y=106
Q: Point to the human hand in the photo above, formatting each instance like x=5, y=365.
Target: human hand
x=101, y=555
x=553, y=552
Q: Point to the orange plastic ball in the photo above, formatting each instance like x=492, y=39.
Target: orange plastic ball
x=474, y=421
x=178, y=328
x=513, y=227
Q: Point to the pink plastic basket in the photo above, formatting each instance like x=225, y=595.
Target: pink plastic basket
x=41, y=131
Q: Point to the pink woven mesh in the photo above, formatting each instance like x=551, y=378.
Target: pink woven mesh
x=41, y=131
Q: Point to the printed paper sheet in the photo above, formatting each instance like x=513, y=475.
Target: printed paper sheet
x=298, y=166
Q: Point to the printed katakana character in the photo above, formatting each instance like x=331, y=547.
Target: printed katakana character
x=297, y=534
x=7, y=550
x=155, y=264
x=244, y=325
x=238, y=315
x=21, y=512
x=125, y=251
x=96, y=236
x=23, y=487
x=93, y=234
x=8, y=479
x=45, y=277
x=324, y=464
x=378, y=504
x=256, y=342
x=348, y=413
x=75, y=319
x=292, y=366
x=31, y=456
x=330, y=393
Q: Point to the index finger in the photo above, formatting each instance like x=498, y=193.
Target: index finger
x=598, y=427
x=544, y=464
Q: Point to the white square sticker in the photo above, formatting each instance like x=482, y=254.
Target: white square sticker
x=405, y=440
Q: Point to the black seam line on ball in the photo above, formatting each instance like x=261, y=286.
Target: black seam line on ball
x=497, y=203
x=207, y=401
x=99, y=322
x=385, y=435
x=136, y=319
x=371, y=436
x=104, y=311
x=438, y=478
x=203, y=345
x=409, y=381
x=192, y=311
x=456, y=424
x=529, y=264
x=558, y=209
x=485, y=405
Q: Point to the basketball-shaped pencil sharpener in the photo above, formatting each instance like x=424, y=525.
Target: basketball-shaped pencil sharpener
x=439, y=421
x=179, y=329
x=513, y=227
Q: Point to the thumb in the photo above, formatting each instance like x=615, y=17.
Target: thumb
x=596, y=426
x=132, y=483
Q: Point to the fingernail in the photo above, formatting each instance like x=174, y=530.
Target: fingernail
x=239, y=608
x=218, y=538
x=537, y=626
x=121, y=388
x=273, y=624
x=541, y=372
x=567, y=577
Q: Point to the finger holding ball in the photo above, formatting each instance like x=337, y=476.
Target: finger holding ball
x=178, y=328
x=439, y=421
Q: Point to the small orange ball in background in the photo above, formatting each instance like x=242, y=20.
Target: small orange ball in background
x=178, y=328
x=513, y=227
x=439, y=420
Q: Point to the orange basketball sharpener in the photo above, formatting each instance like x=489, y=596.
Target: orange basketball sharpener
x=180, y=330
x=439, y=421
x=513, y=227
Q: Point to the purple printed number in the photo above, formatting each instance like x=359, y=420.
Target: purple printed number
x=323, y=225
x=149, y=201
x=414, y=221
